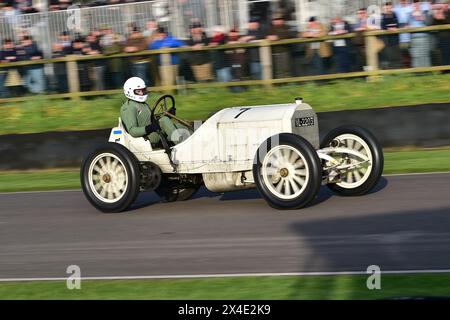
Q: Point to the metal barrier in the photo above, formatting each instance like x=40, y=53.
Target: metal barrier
x=372, y=71
x=173, y=14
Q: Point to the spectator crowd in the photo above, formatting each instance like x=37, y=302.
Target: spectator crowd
x=10, y=8
x=419, y=49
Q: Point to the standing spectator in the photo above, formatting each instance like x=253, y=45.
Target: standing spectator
x=237, y=58
x=65, y=42
x=79, y=47
x=111, y=44
x=341, y=46
x=420, y=41
x=221, y=62
x=11, y=82
x=34, y=76
x=25, y=6
x=10, y=13
x=140, y=64
x=150, y=32
x=61, y=48
x=255, y=33
x=316, y=52
x=96, y=67
x=359, y=41
x=9, y=17
x=59, y=68
x=200, y=61
x=164, y=40
x=362, y=23
x=442, y=16
x=391, y=50
x=281, y=53
x=403, y=11
x=7, y=54
x=92, y=47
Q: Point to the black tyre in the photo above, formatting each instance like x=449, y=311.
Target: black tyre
x=287, y=171
x=365, y=176
x=110, y=178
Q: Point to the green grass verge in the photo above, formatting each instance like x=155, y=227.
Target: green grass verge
x=39, y=180
x=395, y=162
x=417, y=161
x=41, y=114
x=285, y=287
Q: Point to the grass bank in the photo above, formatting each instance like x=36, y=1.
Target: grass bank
x=285, y=287
x=416, y=161
x=41, y=114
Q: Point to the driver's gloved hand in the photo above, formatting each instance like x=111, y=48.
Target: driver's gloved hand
x=172, y=110
x=153, y=127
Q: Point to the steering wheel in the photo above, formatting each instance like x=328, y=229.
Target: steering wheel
x=161, y=106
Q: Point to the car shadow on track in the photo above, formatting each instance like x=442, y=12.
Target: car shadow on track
x=325, y=193
x=413, y=238
x=146, y=199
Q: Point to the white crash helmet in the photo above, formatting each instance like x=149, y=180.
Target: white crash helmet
x=133, y=84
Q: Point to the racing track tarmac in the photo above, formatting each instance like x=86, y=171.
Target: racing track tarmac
x=403, y=225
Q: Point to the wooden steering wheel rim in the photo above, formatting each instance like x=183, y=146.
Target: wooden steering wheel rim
x=159, y=101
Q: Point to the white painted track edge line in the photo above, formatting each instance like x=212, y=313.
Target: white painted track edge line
x=231, y=275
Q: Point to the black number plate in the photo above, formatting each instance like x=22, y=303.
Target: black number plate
x=304, y=122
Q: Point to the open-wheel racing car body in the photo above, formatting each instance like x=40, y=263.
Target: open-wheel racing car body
x=274, y=148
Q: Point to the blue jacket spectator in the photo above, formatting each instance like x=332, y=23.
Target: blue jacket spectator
x=33, y=75
x=8, y=52
x=28, y=50
x=420, y=41
x=164, y=40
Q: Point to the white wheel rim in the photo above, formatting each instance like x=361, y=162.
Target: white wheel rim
x=108, y=178
x=285, y=172
x=360, y=174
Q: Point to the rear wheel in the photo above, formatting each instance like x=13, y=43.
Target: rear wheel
x=366, y=159
x=110, y=178
x=287, y=173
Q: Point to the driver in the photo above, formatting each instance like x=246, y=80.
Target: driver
x=136, y=115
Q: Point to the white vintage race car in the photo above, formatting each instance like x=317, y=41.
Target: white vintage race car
x=274, y=148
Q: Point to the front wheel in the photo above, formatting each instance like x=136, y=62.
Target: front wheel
x=287, y=171
x=364, y=160
x=110, y=178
